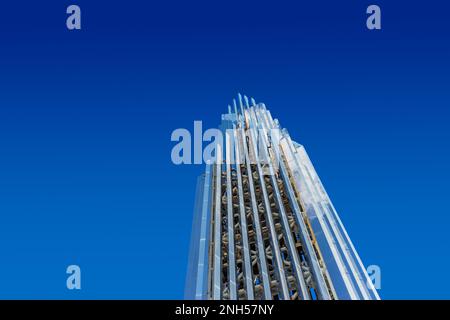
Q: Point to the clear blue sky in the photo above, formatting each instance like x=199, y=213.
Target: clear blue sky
x=86, y=118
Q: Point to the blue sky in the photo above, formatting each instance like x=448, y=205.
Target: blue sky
x=86, y=118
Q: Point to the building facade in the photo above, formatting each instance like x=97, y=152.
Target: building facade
x=264, y=227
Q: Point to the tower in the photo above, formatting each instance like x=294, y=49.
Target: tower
x=264, y=227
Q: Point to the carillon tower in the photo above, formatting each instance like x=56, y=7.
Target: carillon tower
x=264, y=226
